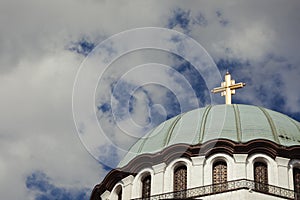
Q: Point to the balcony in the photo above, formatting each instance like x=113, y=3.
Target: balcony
x=202, y=191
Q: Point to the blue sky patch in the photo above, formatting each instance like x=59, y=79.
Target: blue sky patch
x=121, y=92
x=108, y=152
x=230, y=65
x=104, y=107
x=40, y=183
x=200, y=20
x=180, y=18
x=84, y=46
x=222, y=20
x=197, y=82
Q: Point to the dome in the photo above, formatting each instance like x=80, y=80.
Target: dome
x=238, y=123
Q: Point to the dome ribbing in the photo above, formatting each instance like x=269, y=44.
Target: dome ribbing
x=238, y=123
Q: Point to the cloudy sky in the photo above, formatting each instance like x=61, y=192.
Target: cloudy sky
x=59, y=60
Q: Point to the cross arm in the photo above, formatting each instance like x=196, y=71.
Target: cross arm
x=218, y=89
x=237, y=86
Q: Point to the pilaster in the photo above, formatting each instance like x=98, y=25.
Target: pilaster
x=197, y=171
x=240, y=168
x=127, y=186
x=158, y=179
x=282, y=167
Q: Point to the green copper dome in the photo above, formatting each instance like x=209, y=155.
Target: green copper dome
x=239, y=123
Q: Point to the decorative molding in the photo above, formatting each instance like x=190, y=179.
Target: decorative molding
x=198, y=161
x=283, y=162
x=240, y=158
x=159, y=168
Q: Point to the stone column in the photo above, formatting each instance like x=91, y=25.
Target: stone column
x=158, y=179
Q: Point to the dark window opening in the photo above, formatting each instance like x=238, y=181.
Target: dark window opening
x=146, y=187
x=220, y=176
x=261, y=176
x=120, y=194
x=180, y=181
x=296, y=178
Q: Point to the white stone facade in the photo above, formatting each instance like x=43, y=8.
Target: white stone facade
x=199, y=173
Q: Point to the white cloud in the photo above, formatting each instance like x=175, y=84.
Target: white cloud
x=37, y=72
x=37, y=130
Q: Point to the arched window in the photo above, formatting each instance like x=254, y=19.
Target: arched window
x=146, y=187
x=220, y=176
x=119, y=193
x=296, y=177
x=261, y=176
x=180, y=181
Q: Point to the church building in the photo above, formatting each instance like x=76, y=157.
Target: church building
x=229, y=151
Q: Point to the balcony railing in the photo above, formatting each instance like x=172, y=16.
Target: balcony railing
x=226, y=187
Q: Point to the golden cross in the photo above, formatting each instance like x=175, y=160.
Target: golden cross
x=228, y=88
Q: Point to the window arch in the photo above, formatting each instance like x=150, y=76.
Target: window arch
x=180, y=181
x=220, y=176
x=261, y=176
x=116, y=193
x=296, y=178
x=146, y=187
